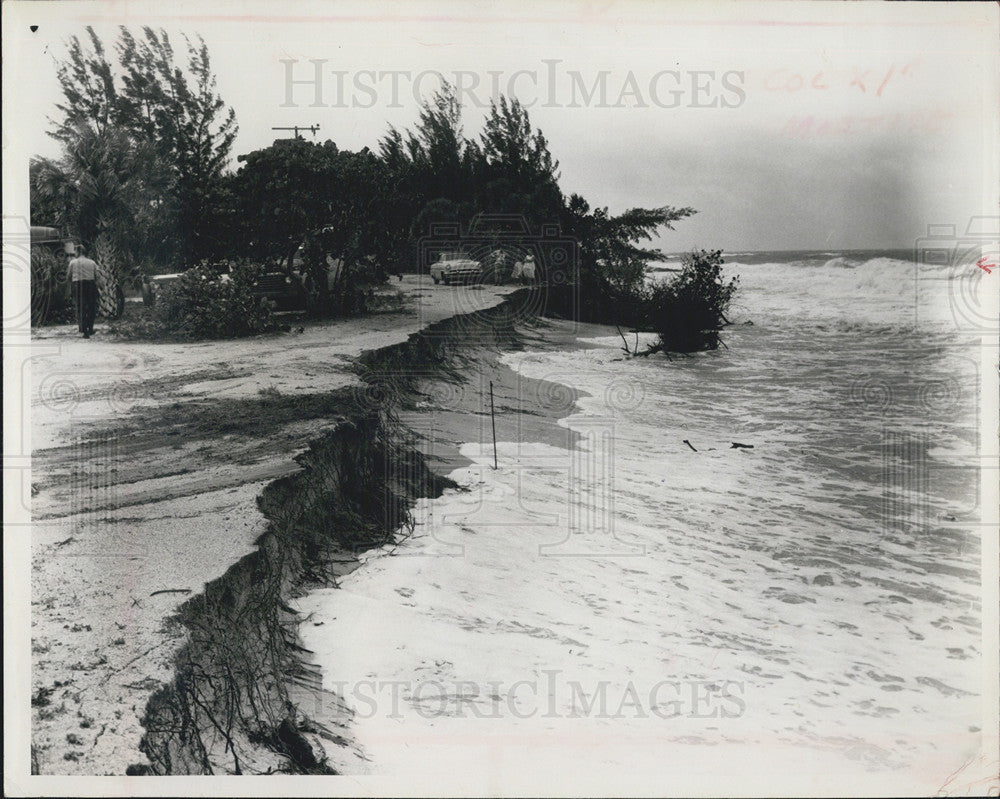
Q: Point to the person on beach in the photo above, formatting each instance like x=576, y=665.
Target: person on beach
x=83, y=278
x=524, y=271
x=528, y=270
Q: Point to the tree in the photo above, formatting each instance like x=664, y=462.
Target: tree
x=510, y=148
x=333, y=201
x=182, y=113
x=438, y=175
x=437, y=146
x=613, y=265
x=510, y=172
x=357, y=194
x=431, y=166
x=284, y=192
x=111, y=193
x=88, y=84
x=152, y=99
x=517, y=173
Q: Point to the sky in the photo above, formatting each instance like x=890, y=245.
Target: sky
x=787, y=126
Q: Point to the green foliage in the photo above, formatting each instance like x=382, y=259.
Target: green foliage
x=148, y=139
x=688, y=311
x=512, y=151
x=145, y=95
x=108, y=187
x=438, y=175
x=283, y=193
x=208, y=303
x=612, y=264
x=609, y=244
x=515, y=172
x=438, y=147
x=88, y=84
x=112, y=192
x=442, y=177
x=430, y=174
x=295, y=190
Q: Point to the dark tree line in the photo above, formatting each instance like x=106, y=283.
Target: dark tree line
x=147, y=96
x=145, y=179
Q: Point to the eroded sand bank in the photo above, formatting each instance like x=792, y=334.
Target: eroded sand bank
x=147, y=461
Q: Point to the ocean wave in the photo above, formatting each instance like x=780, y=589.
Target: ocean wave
x=879, y=291
x=813, y=561
x=841, y=262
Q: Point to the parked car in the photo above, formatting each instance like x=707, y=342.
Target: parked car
x=286, y=291
x=50, y=296
x=152, y=286
x=454, y=267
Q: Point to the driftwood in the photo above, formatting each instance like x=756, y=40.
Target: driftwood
x=624, y=341
x=172, y=591
x=690, y=445
x=738, y=445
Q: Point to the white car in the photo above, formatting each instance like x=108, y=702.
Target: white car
x=453, y=268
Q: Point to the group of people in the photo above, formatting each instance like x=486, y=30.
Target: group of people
x=524, y=271
x=82, y=274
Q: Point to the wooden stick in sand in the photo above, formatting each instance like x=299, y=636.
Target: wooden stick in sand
x=493, y=420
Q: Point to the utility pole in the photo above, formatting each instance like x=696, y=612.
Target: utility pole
x=296, y=128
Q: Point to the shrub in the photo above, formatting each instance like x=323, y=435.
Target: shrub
x=206, y=302
x=688, y=311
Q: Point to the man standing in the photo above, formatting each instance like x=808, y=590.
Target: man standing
x=83, y=278
x=528, y=270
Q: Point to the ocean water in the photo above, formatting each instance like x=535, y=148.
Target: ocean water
x=655, y=604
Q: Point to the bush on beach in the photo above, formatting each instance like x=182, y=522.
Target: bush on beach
x=688, y=311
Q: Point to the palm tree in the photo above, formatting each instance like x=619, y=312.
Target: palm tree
x=112, y=193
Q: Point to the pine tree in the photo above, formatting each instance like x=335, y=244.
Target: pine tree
x=181, y=112
x=437, y=150
x=153, y=99
x=88, y=86
x=512, y=151
x=516, y=173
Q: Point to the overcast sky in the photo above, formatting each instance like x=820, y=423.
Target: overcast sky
x=854, y=127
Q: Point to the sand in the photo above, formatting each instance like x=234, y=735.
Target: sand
x=147, y=459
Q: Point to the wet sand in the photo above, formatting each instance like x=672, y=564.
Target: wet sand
x=449, y=413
